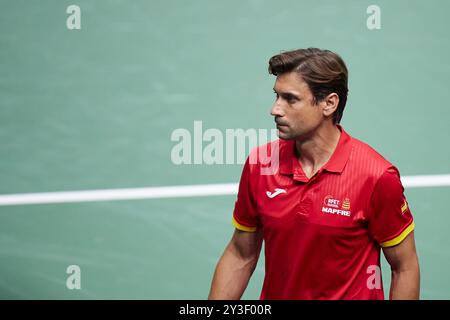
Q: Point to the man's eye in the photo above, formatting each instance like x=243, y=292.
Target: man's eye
x=291, y=100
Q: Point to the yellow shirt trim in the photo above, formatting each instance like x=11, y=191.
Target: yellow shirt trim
x=239, y=226
x=399, y=238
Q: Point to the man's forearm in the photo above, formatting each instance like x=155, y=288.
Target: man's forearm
x=405, y=285
x=231, y=277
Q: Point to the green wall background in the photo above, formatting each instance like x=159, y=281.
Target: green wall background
x=95, y=108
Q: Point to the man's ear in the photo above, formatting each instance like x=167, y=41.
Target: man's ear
x=330, y=104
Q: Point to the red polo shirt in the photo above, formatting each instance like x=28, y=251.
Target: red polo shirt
x=323, y=235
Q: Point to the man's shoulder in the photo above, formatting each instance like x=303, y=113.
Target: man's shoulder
x=266, y=159
x=366, y=156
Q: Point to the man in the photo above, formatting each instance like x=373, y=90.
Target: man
x=330, y=206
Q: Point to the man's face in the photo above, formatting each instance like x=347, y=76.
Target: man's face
x=294, y=110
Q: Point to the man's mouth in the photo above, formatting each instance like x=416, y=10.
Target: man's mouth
x=279, y=124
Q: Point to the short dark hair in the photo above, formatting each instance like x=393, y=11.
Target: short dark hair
x=323, y=70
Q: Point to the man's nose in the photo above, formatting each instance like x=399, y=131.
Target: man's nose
x=276, y=110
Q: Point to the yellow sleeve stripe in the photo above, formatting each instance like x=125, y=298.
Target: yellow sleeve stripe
x=239, y=226
x=398, y=238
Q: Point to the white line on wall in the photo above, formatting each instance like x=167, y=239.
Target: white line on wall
x=202, y=190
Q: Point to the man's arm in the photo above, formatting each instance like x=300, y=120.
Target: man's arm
x=235, y=267
x=405, y=279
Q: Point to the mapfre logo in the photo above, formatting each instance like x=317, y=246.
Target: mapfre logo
x=336, y=206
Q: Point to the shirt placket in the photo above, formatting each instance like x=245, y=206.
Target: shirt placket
x=305, y=200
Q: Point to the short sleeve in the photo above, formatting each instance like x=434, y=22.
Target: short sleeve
x=390, y=219
x=245, y=213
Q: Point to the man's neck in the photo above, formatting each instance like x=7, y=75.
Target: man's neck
x=313, y=153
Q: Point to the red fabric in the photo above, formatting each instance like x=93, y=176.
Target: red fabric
x=387, y=220
x=322, y=234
